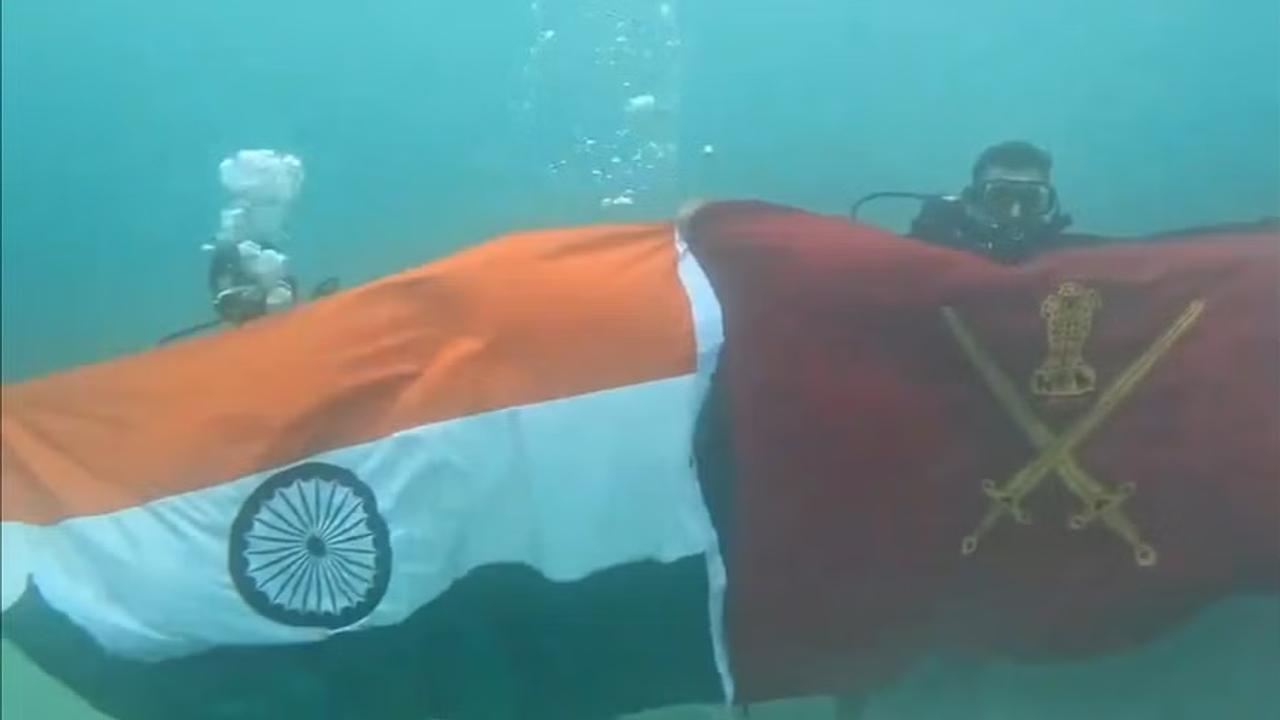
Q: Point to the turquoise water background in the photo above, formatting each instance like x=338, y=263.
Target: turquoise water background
x=427, y=126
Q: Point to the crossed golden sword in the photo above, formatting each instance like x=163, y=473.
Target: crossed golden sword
x=1056, y=450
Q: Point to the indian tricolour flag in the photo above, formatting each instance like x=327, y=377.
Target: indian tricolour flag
x=465, y=490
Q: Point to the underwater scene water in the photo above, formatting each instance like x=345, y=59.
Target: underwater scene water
x=420, y=128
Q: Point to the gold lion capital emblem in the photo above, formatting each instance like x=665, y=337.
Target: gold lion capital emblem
x=1068, y=316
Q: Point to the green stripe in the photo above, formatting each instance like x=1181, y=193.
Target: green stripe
x=503, y=644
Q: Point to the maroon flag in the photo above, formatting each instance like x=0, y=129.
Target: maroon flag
x=934, y=451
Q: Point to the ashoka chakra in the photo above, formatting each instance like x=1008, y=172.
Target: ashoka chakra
x=309, y=548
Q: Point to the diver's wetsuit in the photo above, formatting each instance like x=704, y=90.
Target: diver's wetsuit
x=945, y=221
x=941, y=222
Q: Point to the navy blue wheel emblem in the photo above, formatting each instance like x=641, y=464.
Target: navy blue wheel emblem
x=309, y=549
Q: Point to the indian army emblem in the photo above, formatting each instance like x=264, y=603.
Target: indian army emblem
x=1068, y=316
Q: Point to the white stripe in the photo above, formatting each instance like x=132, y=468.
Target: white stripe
x=566, y=487
x=16, y=562
x=708, y=327
x=708, y=323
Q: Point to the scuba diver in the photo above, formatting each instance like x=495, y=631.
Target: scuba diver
x=248, y=272
x=248, y=280
x=1009, y=211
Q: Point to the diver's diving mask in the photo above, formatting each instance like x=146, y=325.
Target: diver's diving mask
x=1015, y=200
x=1009, y=218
